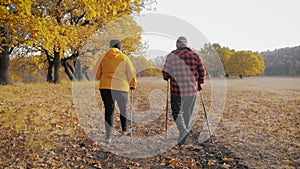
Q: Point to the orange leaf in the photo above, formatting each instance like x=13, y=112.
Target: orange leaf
x=228, y=159
x=210, y=163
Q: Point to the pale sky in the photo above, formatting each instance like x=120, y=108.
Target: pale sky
x=256, y=25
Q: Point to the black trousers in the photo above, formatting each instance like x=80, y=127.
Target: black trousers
x=109, y=98
x=182, y=105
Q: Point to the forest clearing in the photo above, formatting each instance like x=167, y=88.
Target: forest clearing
x=259, y=128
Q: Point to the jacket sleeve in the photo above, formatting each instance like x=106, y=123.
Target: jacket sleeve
x=201, y=71
x=99, y=71
x=130, y=72
x=166, y=69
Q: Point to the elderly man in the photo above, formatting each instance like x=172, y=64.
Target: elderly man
x=186, y=72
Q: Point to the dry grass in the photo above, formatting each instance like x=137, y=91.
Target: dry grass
x=40, y=128
x=261, y=121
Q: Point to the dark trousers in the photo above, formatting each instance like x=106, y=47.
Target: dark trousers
x=182, y=106
x=109, y=97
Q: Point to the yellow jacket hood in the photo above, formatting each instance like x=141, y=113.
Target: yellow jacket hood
x=116, y=71
x=115, y=53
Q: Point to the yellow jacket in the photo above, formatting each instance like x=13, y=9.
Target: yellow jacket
x=116, y=71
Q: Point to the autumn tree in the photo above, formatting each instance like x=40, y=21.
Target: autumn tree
x=159, y=61
x=282, y=62
x=66, y=26
x=57, y=28
x=224, y=54
x=211, y=60
x=246, y=63
x=232, y=62
x=27, y=68
x=125, y=29
x=145, y=67
x=14, y=23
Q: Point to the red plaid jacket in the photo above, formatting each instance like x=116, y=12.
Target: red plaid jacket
x=186, y=71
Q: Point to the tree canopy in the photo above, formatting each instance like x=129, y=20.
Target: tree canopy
x=245, y=63
x=58, y=29
x=233, y=62
x=14, y=23
x=285, y=61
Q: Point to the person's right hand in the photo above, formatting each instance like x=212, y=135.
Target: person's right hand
x=132, y=88
x=199, y=87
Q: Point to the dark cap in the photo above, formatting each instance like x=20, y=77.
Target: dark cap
x=182, y=39
x=115, y=44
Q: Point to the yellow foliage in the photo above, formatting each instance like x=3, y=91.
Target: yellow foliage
x=245, y=63
x=15, y=15
x=64, y=27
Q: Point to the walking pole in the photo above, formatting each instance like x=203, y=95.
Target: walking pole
x=204, y=109
x=167, y=106
x=131, y=103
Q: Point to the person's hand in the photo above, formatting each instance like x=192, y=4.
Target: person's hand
x=166, y=79
x=132, y=88
x=199, y=87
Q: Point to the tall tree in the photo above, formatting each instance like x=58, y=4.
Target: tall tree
x=224, y=54
x=233, y=62
x=159, y=61
x=125, y=29
x=14, y=22
x=285, y=61
x=211, y=60
x=27, y=68
x=58, y=28
x=66, y=26
x=246, y=63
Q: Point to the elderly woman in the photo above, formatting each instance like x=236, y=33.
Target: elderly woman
x=117, y=76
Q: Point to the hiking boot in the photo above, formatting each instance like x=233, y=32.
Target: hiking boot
x=182, y=138
x=108, y=139
x=183, y=131
x=125, y=133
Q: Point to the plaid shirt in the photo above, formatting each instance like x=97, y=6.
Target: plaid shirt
x=186, y=71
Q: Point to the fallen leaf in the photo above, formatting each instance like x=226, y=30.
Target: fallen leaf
x=227, y=159
x=210, y=163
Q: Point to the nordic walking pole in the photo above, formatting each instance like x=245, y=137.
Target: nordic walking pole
x=131, y=103
x=167, y=106
x=204, y=109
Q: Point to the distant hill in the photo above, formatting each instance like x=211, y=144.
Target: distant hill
x=282, y=62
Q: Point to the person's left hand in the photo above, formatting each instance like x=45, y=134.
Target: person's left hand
x=132, y=88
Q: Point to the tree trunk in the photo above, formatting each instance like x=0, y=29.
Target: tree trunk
x=85, y=71
x=50, y=67
x=67, y=71
x=78, y=71
x=4, y=64
x=49, y=74
x=56, y=63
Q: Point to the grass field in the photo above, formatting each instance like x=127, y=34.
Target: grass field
x=261, y=121
x=41, y=127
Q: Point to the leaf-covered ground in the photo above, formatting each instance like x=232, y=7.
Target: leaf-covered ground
x=41, y=127
x=261, y=121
